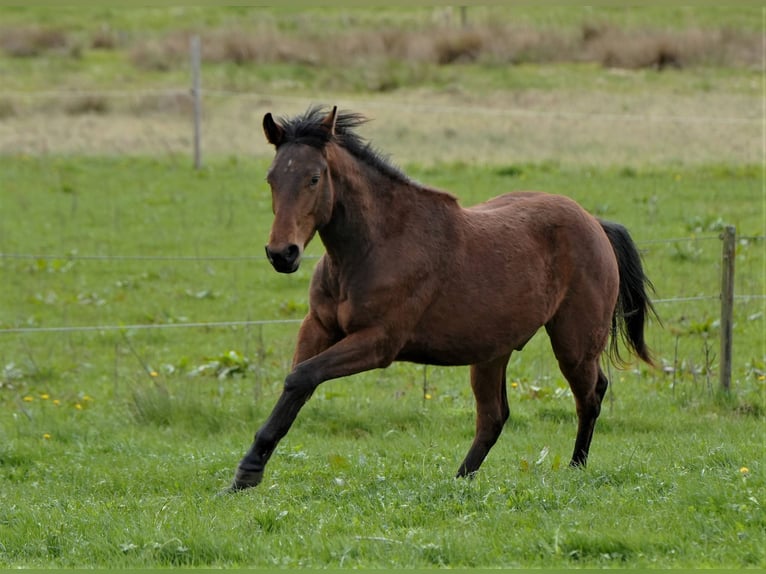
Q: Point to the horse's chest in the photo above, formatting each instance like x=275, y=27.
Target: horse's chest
x=344, y=315
x=352, y=315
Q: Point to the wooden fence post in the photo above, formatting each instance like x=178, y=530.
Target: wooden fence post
x=197, y=97
x=729, y=237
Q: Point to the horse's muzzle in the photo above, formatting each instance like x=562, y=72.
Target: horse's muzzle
x=286, y=260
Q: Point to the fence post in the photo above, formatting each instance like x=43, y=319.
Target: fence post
x=729, y=237
x=197, y=97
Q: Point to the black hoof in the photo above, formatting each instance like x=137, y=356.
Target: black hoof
x=245, y=478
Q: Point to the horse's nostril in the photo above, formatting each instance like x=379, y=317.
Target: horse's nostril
x=291, y=253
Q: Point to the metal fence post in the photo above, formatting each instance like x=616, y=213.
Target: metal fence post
x=197, y=98
x=729, y=237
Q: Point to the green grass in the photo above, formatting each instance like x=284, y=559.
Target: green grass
x=159, y=20
x=114, y=444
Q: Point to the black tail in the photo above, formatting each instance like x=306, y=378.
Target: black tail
x=633, y=303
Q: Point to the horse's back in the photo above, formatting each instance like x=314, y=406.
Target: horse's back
x=508, y=199
x=537, y=220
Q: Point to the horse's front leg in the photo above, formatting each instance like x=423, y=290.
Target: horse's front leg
x=361, y=351
x=313, y=338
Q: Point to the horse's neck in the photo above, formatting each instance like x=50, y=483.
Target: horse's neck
x=372, y=206
x=354, y=226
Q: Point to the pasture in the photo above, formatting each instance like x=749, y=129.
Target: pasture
x=116, y=440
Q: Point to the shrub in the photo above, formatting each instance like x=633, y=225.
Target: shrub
x=462, y=46
x=104, y=39
x=163, y=54
x=87, y=104
x=32, y=42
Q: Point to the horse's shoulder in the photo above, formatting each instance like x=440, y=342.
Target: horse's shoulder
x=324, y=294
x=324, y=281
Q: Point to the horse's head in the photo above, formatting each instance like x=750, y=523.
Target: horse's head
x=301, y=188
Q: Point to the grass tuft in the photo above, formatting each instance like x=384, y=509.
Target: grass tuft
x=90, y=104
x=31, y=42
x=161, y=55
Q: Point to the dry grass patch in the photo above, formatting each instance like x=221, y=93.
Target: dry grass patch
x=618, y=48
x=33, y=41
x=105, y=38
x=426, y=127
x=161, y=54
x=169, y=104
x=87, y=104
x=439, y=44
x=7, y=108
x=260, y=46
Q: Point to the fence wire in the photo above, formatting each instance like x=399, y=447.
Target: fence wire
x=257, y=322
x=260, y=258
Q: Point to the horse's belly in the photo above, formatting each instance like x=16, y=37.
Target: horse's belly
x=467, y=344
x=444, y=357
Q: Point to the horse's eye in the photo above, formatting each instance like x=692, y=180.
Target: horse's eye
x=314, y=179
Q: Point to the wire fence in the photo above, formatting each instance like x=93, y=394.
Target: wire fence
x=260, y=259
x=587, y=128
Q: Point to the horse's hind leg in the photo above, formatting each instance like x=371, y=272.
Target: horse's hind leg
x=578, y=360
x=588, y=409
x=488, y=384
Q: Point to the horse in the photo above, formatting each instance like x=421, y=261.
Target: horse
x=408, y=274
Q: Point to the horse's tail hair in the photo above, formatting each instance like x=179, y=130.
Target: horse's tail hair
x=633, y=303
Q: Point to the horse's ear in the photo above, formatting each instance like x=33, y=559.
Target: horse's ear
x=274, y=132
x=329, y=121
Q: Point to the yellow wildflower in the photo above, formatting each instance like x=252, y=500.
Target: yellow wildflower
x=78, y=406
x=744, y=470
x=45, y=396
x=47, y=436
x=28, y=399
x=428, y=397
x=56, y=402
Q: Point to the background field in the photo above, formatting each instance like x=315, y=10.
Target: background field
x=114, y=441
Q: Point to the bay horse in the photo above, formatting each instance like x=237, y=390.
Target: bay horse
x=410, y=275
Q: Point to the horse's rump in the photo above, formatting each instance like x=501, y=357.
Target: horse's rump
x=520, y=255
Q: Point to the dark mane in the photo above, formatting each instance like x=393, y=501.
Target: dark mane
x=306, y=129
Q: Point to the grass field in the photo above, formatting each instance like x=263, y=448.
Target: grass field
x=115, y=441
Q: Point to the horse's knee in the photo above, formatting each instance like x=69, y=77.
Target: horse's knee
x=300, y=382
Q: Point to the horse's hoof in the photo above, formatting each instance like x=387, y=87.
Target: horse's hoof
x=245, y=478
x=225, y=492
